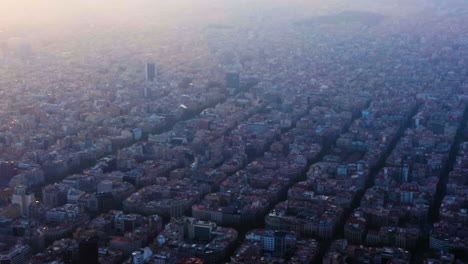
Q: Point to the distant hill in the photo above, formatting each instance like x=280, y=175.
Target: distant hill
x=366, y=18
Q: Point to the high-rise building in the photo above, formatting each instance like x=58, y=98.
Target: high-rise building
x=105, y=202
x=199, y=230
x=202, y=232
x=146, y=92
x=232, y=80
x=88, y=251
x=55, y=194
x=7, y=171
x=23, y=199
x=150, y=71
x=251, y=152
x=125, y=223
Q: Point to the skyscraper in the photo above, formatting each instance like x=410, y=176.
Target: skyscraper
x=146, y=92
x=7, y=171
x=150, y=71
x=232, y=80
x=88, y=251
x=105, y=202
x=23, y=199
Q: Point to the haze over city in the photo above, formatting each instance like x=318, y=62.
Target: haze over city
x=247, y=131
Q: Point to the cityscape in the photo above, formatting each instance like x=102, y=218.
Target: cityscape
x=247, y=131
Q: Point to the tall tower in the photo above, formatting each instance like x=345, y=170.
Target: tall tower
x=232, y=80
x=88, y=251
x=150, y=71
x=21, y=198
x=105, y=201
x=146, y=92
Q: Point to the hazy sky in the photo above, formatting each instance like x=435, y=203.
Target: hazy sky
x=55, y=11
x=30, y=19
x=51, y=18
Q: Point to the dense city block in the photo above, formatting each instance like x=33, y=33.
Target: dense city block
x=235, y=132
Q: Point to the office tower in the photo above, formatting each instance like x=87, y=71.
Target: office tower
x=251, y=152
x=199, y=230
x=125, y=223
x=55, y=194
x=150, y=71
x=23, y=199
x=7, y=171
x=146, y=92
x=105, y=202
x=232, y=80
x=202, y=232
x=88, y=251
